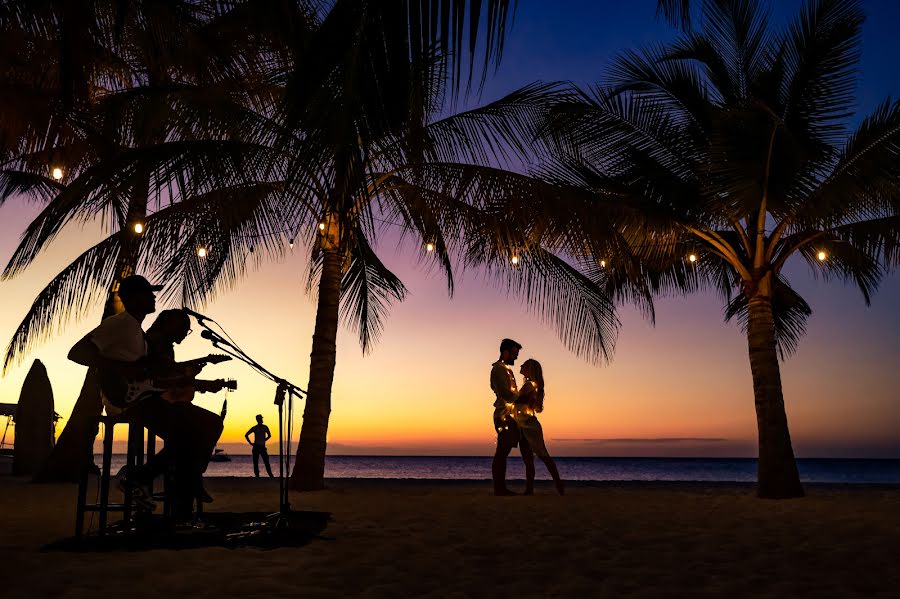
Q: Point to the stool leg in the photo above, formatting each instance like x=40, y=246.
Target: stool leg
x=104, y=475
x=131, y=460
x=198, y=492
x=82, y=499
x=151, y=451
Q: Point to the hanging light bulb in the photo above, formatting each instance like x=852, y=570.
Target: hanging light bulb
x=515, y=259
x=821, y=256
x=429, y=247
x=322, y=227
x=138, y=228
x=603, y=264
x=57, y=173
x=692, y=257
x=201, y=251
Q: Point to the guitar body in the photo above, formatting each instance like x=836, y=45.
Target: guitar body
x=174, y=386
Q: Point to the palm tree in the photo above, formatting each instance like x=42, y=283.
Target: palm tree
x=729, y=145
x=357, y=144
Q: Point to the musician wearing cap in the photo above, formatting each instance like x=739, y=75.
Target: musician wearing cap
x=118, y=349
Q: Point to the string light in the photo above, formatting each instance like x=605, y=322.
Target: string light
x=821, y=256
x=138, y=228
x=692, y=257
x=429, y=247
x=291, y=242
x=515, y=259
x=322, y=227
x=603, y=264
x=57, y=173
x=201, y=251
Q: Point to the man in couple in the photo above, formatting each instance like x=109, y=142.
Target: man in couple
x=515, y=420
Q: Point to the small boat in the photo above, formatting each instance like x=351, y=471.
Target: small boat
x=219, y=455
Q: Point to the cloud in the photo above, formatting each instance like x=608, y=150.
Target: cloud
x=645, y=440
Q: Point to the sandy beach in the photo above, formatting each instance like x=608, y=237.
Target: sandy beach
x=453, y=539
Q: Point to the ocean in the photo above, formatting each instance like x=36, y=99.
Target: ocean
x=853, y=471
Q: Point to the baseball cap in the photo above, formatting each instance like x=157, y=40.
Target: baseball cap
x=136, y=284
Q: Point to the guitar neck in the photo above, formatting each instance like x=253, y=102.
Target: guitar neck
x=195, y=362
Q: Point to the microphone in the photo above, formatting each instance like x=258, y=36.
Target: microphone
x=200, y=317
x=211, y=335
x=216, y=338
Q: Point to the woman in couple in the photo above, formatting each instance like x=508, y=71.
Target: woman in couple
x=529, y=402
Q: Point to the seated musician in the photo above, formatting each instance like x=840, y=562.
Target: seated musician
x=118, y=349
x=171, y=327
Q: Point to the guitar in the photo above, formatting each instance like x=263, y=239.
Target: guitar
x=124, y=392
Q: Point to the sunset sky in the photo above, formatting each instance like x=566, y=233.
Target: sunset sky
x=682, y=387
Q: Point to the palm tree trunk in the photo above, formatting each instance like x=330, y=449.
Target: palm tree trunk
x=309, y=470
x=777, y=475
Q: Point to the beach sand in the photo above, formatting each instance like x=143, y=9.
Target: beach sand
x=453, y=539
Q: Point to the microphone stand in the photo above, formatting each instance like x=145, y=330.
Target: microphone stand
x=284, y=389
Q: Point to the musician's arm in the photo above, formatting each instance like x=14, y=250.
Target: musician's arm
x=191, y=367
x=86, y=353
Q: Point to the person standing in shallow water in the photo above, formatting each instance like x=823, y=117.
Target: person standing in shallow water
x=503, y=384
x=530, y=401
x=261, y=434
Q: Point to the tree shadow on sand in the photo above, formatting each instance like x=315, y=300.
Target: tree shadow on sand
x=225, y=529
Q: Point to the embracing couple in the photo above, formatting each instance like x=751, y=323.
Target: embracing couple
x=515, y=420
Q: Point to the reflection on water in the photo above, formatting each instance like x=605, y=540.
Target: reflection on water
x=587, y=469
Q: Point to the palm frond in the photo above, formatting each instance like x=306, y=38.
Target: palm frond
x=583, y=316
x=34, y=186
x=789, y=310
x=368, y=289
x=72, y=293
x=821, y=55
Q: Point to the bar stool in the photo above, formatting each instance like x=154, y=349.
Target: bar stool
x=135, y=457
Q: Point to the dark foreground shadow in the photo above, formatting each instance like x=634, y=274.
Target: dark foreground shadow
x=225, y=529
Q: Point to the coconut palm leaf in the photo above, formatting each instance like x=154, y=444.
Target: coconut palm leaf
x=38, y=187
x=368, y=289
x=72, y=293
x=789, y=310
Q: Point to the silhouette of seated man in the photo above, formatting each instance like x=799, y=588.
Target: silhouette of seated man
x=261, y=434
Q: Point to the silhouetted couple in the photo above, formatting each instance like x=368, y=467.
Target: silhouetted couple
x=515, y=420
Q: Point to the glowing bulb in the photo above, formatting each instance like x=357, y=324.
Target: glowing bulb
x=321, y=226
x=57, y=173
x=821, y=256
x=692, y=257
x=515, y=259
x=603, y=264
x=429, y=247
x=291, y=242
x=201, y=251
x=138, y=228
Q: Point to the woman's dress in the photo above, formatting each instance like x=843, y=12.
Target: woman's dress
x=523, y=413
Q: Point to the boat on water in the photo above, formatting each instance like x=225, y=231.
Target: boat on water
x=219, y=455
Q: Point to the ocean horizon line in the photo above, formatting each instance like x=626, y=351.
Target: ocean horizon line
x=274, y=456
